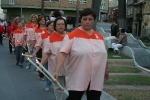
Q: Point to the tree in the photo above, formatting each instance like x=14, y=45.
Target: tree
x=96, y=6
x=42, y=7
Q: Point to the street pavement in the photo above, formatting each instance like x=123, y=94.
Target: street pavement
x=24, y=84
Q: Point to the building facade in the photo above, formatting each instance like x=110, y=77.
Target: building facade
x=25, y=8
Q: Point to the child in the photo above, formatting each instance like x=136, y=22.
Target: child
x=19, y=44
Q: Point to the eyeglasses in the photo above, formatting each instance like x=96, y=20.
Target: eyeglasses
x=60, y=24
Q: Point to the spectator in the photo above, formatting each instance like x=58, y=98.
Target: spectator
x=114, y=29
x=120, y=42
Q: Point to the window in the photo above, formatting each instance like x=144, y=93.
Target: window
x=11, y=2
x=81, y=1
x=52, y=0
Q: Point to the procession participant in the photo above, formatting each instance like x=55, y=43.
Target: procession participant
x=19, y=44
x=29, y=37
x=9, y=33
x=51, y=50
x=86, y=59
x=1, y=33
x=15, y=24
x=40, y=44
x=41, y=29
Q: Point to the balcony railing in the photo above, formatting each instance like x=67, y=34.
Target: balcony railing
x=12, y=2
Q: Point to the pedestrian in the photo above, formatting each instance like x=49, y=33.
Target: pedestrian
x=19, y=44
x=54, y=14
x=29, y=37
x=40, y=44
x=62, y=13
x=114, y=30
x=51, y=51
x=41, y=29
x=86, y=57
x=9, y=33
x=120, y=42
x=1, y=34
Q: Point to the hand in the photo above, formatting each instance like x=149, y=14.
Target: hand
x=55, y=76
x=106, y=75
x=33, y=55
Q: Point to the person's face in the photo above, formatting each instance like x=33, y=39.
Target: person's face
x=42, y=21
x=19, y=25
x=60, y=26
x=33, y=19
x=87, y=22
x=51, y=27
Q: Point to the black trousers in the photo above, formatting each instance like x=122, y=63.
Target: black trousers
x=39, y=55
x=91, y=95
x=10, y=47
x=1, y=38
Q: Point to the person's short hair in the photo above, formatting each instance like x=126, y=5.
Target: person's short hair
x=57, y=14
x=122, y=30
x=48, y=23
x=88, y=11
x=60, y=18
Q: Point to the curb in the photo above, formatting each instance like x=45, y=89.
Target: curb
x=121, y=61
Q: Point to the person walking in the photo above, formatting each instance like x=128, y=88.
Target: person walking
x=9, y=33
x=19, y=44
x=40, y=44
x=29, y=36
x=41, y=29
x=86, y=57
x=51, y=51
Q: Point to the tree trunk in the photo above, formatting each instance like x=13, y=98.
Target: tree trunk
x=77, y=12
x=42, y=7
x=96, y=6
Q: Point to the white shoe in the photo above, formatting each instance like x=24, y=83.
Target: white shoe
x=36, y=70
x=47, y=89
x=27, y=67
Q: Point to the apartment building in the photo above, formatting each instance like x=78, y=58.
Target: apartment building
x=25, y=8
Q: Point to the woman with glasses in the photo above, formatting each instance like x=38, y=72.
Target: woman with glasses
x=51, y=51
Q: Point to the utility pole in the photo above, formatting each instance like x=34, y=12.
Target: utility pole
x=96, y=6
x=77, y=12
x=122, y=13
x=42, y=7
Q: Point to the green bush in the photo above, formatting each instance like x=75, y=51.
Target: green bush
x=145, y=39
